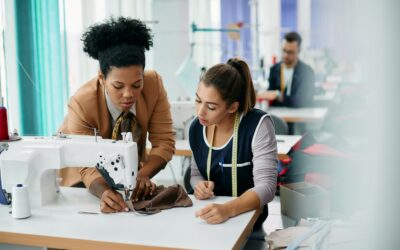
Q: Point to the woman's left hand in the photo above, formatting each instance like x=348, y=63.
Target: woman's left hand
x=214, y=213
x=144, y=187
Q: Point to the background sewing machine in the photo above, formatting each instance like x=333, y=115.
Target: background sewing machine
x=34, y=161
x=183, y=113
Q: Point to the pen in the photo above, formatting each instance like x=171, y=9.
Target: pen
x=221, y=163
x=87, y=212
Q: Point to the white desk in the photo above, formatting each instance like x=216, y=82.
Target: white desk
x=327, y=96
x=182, y=148
x=307, y=115
x=60, y=226
x=284, y=143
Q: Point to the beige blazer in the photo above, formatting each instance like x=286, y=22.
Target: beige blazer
x=87, y=109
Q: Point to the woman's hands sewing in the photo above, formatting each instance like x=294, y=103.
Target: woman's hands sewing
x=144, y=187
x=204, y=190
x=112, y=201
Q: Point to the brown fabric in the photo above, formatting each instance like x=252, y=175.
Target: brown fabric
x=164, y=198
x=87, y=109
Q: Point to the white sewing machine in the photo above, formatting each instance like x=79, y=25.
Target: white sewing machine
x=183, y=113
x=34, y=161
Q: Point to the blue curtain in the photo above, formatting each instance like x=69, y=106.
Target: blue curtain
x=42, y=68
x=233, y=11
x=322, y=20
x=288, y=16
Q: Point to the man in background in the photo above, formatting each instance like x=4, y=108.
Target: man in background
x=291, y=81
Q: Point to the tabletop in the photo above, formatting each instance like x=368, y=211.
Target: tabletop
x=76, y=222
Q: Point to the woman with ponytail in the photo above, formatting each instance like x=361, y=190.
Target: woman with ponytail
x=233, y=144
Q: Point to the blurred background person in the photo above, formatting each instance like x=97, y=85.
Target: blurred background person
x=291, y=81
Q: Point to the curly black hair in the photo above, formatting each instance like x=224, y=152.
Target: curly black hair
x=117, y=42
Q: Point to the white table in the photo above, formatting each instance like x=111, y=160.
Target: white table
x=284, y=143
x=327, y=96
x=182, y=148
x=61, y=226
x=307, y=115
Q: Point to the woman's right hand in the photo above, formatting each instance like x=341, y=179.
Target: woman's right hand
x=112, y=202
x=204, y=190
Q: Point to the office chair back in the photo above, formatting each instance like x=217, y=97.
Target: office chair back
x=281, y=127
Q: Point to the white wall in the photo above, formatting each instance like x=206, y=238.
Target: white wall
x=173, y=38
x=304, y=21
x=171, y=42
x=208, y=47
x=269, y=30
x=11, y=63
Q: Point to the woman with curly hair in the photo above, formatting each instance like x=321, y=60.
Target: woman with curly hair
x=121, y=91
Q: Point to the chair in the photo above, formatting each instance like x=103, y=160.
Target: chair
x=281, y=127
x=186, y=181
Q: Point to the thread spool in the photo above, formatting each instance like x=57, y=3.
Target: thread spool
x=20, y=202
x=3, y=124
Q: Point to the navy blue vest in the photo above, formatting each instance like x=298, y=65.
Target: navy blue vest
x=220, y=172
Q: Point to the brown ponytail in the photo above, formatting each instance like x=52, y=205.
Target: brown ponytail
x=233, y=82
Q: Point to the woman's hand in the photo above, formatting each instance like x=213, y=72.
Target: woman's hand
x=204, y=190
x=269, y=95
x=218, y=213
x=112, y=202
x=214, y=213
x=144, y=187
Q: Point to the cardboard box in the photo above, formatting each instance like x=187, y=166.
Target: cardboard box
x=302, y=200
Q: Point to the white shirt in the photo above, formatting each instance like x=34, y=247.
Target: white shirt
x=114, y=110
x=288, y=77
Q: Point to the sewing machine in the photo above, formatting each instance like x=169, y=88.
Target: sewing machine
x=34, y=161
x=183, y=113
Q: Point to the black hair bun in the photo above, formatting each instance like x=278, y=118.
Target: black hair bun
x=115, y=32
